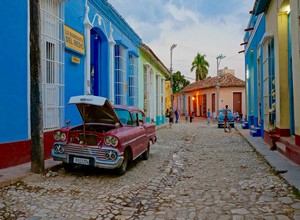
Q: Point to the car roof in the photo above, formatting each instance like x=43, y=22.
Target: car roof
x=129, y=108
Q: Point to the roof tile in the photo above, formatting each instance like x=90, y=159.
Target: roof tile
x=225, y=80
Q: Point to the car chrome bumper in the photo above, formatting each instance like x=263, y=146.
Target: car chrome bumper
x=222, y=122
x=96, y=159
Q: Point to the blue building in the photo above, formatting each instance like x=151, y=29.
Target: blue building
x=86, y=48
x=254, y=35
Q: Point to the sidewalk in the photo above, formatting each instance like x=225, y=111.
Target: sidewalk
x=289, y=170
x=14, y=174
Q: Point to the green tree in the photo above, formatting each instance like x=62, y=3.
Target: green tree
x=201, y=66
x=179, y=82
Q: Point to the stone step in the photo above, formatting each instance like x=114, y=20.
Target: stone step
x=281, y=147
x=245, y=125
x=254, y=133
x=292, y=152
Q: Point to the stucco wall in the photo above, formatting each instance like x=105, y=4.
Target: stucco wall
x=15, y=75
x=296, y=64
x=226, y=98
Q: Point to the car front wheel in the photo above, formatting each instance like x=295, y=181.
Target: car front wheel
x=122, y=169
x=146, y=154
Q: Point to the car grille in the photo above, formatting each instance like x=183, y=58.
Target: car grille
x=85, y=151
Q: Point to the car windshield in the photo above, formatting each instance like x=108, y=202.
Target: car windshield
x=124, y=116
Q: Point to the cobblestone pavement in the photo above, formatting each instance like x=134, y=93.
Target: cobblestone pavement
x=195, y=171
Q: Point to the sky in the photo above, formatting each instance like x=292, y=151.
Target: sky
x=208, y=27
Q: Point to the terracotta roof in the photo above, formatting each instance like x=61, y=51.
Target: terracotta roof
x=225, y=80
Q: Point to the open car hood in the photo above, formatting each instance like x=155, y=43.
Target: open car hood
x=95, y=109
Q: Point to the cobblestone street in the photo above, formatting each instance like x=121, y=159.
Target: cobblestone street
x=194, y=171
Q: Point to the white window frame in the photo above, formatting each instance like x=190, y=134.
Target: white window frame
x=133, y=80
x=120, y=74
x=52, y=56
x=269, y=80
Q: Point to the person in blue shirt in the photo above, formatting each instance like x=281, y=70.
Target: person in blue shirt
x=176, y=115
x=208, y=117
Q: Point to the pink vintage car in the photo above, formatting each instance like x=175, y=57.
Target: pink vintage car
x=110, y=137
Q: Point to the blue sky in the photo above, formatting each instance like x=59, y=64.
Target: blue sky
x=210, y=27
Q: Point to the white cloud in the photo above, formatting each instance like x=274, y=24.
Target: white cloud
x=193, y=29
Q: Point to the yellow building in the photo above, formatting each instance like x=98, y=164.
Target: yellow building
x=167, y=95
x=281, y=44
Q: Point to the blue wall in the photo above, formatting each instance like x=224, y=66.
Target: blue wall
x=14, y=91
x=251, y=61
x=14, y=71
x=74, y=73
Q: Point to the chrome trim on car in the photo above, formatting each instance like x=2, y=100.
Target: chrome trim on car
x=150, y=135
x=134, y=139
x=92, y=152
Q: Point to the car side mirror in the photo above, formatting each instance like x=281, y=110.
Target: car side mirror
x=68, y=122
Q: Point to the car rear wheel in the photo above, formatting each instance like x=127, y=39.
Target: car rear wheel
x=146, y=154
x=122, y=169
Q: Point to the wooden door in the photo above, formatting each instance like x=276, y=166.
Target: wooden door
x=237, y=102
x=194, y=105
x=213, y=102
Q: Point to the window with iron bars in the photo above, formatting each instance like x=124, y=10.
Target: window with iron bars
x=120, y=75
x=133, y=80
x=269, y=85
x=52, y=57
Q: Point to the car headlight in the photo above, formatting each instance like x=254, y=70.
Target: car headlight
x=107, y=141
x=114, y=141
x=110, y=140
x=62, y=136
x=56, y=135
x=59, y=136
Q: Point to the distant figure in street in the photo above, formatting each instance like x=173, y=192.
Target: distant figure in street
x=214, y=116
x=176, y=115
x=208, y=117
x=192, y=117
x=186, y=115
x=167, y=114
x=226, y=119
x=171, y=117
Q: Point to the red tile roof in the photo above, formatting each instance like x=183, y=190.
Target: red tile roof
x=225, y=80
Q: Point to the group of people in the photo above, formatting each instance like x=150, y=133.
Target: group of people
x=171, y=113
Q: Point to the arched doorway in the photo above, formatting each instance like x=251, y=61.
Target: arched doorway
x=99, y=63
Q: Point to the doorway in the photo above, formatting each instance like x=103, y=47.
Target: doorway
x=237, y=102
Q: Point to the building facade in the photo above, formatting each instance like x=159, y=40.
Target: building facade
x=152, y=85
x=254, y=79
x=202, y=95
x=86, y=48
x=276, y=63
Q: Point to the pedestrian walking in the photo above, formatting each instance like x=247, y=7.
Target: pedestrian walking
x=226, y=120
x=214, y=116
x=208, y=117
x=186, y=115
x=171, y=117
x=176, y=115
x=192, y=115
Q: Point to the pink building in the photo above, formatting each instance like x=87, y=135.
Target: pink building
x=212, y=93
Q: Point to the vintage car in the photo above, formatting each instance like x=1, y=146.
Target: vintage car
x=109, y=137
x=221, y=118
